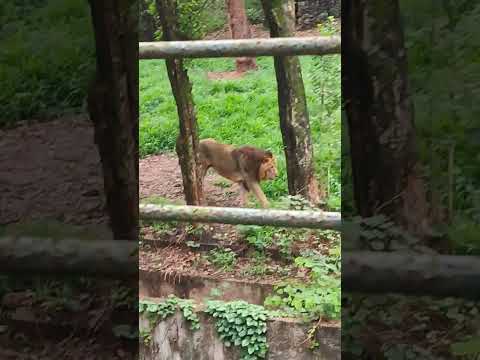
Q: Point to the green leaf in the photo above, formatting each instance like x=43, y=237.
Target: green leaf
x=470, y=347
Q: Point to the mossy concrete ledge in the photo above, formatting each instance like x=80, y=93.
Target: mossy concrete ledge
x=172, y=339
x=157, y=284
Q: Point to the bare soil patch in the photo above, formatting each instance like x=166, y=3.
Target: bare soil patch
x=227, y=75
x=258, y=31
x=51, y=170
x=175, y=260
x=160, y=176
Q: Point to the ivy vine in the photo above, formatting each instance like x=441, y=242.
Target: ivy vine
x=156, y=311
x=241, y=324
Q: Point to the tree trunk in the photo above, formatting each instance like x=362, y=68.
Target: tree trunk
x=113, y=107
x=187, y=141
x=294, y=119
x=380, y=115
x=240, y=29
x=146, y=23
x=210, y=214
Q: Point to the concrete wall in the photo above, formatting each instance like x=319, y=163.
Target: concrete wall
x=311, y=12
x=172, y=339
x=156, y=284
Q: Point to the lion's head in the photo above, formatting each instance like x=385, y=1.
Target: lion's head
x=268, y=167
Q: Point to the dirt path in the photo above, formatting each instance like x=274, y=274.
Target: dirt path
x=160, y=176
x=53, y=170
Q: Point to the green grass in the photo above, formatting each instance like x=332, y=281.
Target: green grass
x=53, y=229
x=159, y=200
x=47, y=57
x=243, y=111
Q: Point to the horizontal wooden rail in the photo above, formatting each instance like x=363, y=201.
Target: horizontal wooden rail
x=109, y=258
x=364, y=271
x=411, y=273
x=315, y=45
x=245, y=216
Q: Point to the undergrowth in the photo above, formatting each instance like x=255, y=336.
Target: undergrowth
x=436, y=327
x=445, y=117
x=223, y=259
x=47, y=57
x=320, y=297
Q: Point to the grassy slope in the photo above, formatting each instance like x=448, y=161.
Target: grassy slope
x=239, y=112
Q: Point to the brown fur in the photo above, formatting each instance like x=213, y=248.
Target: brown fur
x=246, y=165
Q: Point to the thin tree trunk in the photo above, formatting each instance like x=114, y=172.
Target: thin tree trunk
x=187, y=141
x=113, y=107
x=294, y=119
x=240, y=29
x=385, y=164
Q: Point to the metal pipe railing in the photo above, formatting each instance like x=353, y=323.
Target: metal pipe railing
x=315, y=45
x=244, y=216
